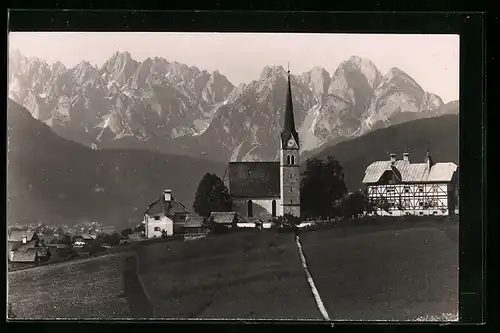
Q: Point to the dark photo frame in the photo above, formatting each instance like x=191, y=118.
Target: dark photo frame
x=472, y=115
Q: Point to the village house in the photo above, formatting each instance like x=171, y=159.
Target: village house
x=228, y=219
x=105, y=230
x=18, y=238
x=83, y=239
x=164, y=215
x=269, y=189
x=408, y=188
x=194, y=227
x=25, y=247
x=53, y=241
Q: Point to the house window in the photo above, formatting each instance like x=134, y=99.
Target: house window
x=421, y=213
x=291, y=189
x=421, y=203
x=273, y=209
x=157, y=218
x=407, y=189
x=420, y=188
x=250, y=208
x=157, y=229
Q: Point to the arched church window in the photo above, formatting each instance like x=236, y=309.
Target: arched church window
x=250, y=208
x=293, y=160
x=274, y=208
x=288, y=160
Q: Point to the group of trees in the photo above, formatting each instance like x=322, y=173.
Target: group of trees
x=324, y=192
x=322, y=185
x=212, y=195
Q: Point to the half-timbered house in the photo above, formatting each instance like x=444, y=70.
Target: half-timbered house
x=400, y=187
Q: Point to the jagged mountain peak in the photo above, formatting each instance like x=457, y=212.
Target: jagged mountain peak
x=318, y=80
x=121, y=66
x=358, y=61
x=272, y=71
x=155, y=102
x=396, y=72
x=358, y=66
x=58, y=66
x=85, y=66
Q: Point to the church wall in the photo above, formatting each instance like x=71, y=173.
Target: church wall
x=262, y=207
x=290, y=184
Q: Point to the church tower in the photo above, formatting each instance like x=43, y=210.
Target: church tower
x=289, y=161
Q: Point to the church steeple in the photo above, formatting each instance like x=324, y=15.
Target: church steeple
x=289, y=125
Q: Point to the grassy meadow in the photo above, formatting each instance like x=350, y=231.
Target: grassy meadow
x=247, y=275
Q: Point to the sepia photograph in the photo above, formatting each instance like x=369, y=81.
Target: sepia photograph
x=233, y=176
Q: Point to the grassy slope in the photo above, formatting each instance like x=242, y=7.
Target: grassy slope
x=87, y=289
x=389, y=269
x=385, y=272
x=60, y=181
x=245, y=275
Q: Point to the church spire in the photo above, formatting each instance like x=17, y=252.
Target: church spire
x=289, y=125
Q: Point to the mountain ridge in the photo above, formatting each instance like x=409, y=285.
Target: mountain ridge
x=171, y=107
x=70, y=183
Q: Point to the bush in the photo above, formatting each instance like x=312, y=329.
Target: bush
x=218, y=228
x=125, y=233
x=110, y=239
x=94, y=248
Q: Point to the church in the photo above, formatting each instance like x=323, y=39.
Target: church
x=265, y=190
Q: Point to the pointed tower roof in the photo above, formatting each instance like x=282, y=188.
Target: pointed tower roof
x=289, y=125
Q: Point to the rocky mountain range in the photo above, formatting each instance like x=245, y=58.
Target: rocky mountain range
x=174, y=108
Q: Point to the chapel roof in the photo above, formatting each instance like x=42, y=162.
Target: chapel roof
x=254, y=179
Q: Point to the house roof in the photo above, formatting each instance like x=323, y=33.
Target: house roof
x=108, y=230
x=87, y=236
x=24, y=256
x=222, y=217
x=42, y=251
x=410, y=172
x=194, y=223
x=13, y=245
x=254, y=179
x=168, y=208
x=48, y=238
x=19, y=246
x=18, y=235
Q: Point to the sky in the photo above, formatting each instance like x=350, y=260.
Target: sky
x=432, y=60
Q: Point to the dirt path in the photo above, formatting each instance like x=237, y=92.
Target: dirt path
x=134, y=292
x=314, y=290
